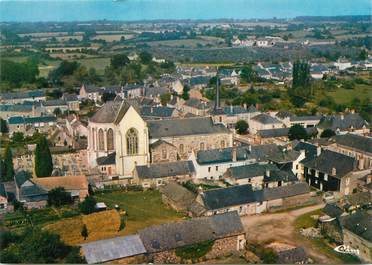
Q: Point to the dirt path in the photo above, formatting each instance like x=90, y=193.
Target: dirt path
x=280, y=227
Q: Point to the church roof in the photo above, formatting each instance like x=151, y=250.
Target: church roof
x=179, y=127
x=107, y=113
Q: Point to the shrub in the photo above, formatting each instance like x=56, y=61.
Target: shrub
x=195, y=251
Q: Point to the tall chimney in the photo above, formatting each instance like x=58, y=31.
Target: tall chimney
x=333, y=173
x=318, y=150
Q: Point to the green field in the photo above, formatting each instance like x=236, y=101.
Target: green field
x=98, y=63
x=342, y=95
x=143, y=208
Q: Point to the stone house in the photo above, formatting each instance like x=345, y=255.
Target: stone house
x=357, y=233
x=24, y=110
x=25, y=124
x=259, y=176
x=91, y=93
x=28, y=192
x=162, y=151
x=353, y=145
x=154, y=175
x=264, y=121
x=330, y=171
x=247, y=201
x=230, y=115
x=72, y=100
x=196, y=107
x=277, y=136
x=225, y=230
x=107, y=165
x=77, y=186
x=177, y=196
x=51, y=105
x=344, y=123
x=20, y=97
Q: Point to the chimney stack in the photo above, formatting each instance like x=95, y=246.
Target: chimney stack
x=361, y=164
x=333, y=173
x=318, y=150
x=267, y=172
x=342, y=116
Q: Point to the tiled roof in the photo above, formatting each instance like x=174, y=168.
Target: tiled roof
x=67, y=182
x=31, y=120
x=173, y=235
x=265, y=119
x=328, y=159
x=362, y=143
x=227, y=197
x=107, y=113
x=179, y=127
x=112, y=249
x=162, y=170
x=107, y=160
x=359, y=223
x=342, y=122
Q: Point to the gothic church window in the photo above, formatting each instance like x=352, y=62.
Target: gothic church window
x=132, y=141
x=110, y=139
x=101, y=140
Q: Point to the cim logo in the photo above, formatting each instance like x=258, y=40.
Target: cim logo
x=347, y=250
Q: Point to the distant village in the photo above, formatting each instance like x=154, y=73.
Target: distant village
x=191, y=151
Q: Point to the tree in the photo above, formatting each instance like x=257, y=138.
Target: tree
x=119, y=60
x=84, y=232
x=327, y=133
x=301, y=87
x=241, y=127
x=108, y=96
x=8, y=165
x=297, y=132
x=185, y=94
x=165, y=98
x=58, y=197
x=3, y=126
x=88, y=205
x=57, y=111
x=145, y=57
x=248, y=74
x=43, y=159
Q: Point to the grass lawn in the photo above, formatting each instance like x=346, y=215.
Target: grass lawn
x=321, y=244
x=143, y=209
x=100, y=225
x=342, y=95
x=98, y=63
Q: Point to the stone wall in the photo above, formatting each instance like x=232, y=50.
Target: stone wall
x=140, y=259
x=223, y=246
x=164, y=153
x=166, y=257
x=332, y=229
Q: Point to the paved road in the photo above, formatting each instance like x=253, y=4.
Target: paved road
x=280, y=227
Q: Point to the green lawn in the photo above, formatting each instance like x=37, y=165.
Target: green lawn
x=143, y=208
x=342, y=95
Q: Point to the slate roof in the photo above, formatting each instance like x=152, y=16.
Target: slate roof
x=234, y=110
x=198, y=104
x=250, y=171
x=29, y=191
x=160, y=142
x=155, y=91
x=70, y=97
x=93, y=89
x=227, y=197
x=112, y=249
x=285, y=191
x=310, y=150
x=252, y=109
x=20, y=95
x=342, y=122
x=265, y=119
x=21, y=177
x=172, y=235
x=160, y=112
x=362, y=143
x=180, y=127
x=107, y=160
x=162, y=170
x=332, y=210
x=328, y=159
x=359, y=223
x=279, y=154
x=31, y=120
x=306, y=118
x=178, y=194
x=107, y=113
x=222, y=155
x=54, y=102
x=16, y=107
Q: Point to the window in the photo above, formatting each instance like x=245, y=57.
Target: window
x=132, y=142
x=216, y=168
x=209, y=169
x=164, y=153
x=201, y=146
x=222, y=144
x=101, y=140
x=181, y=148
x=249, y=180
x=94, y=139
x=110, y=139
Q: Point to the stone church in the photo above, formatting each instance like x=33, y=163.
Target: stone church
x=118, y=128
